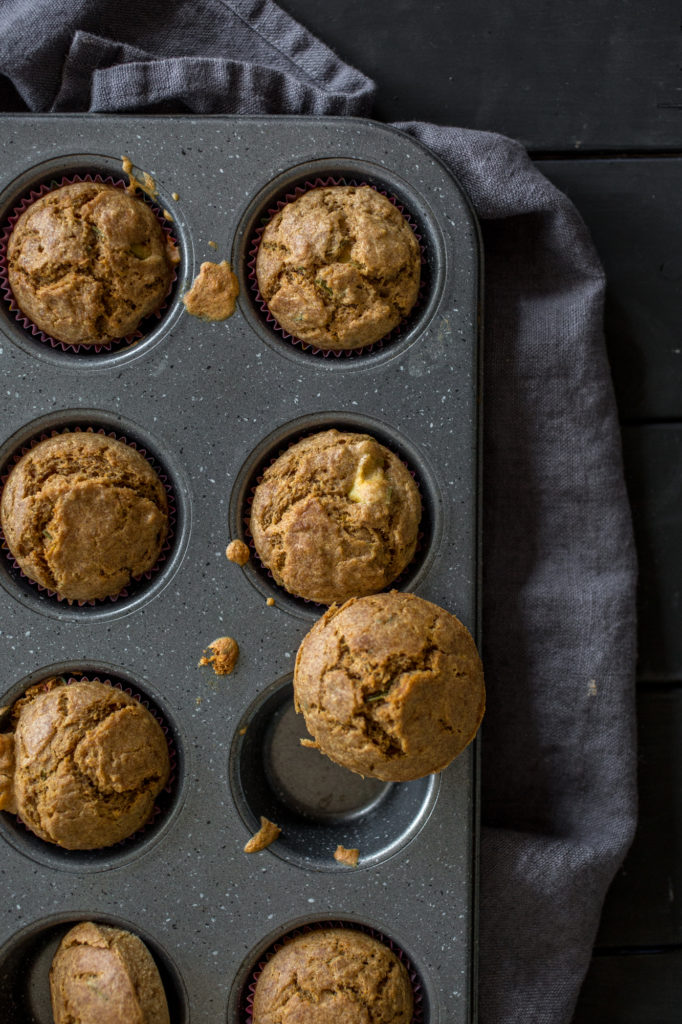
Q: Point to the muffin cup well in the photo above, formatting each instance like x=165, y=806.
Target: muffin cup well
x=418, y=1013
x=172, y=514
x=164, y=799
x=254, y=245
x=6, y=290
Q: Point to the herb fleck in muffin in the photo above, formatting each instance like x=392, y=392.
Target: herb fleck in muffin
x=87, y=262
x=333, y=976
x=339, y=267
x=104, y=975
x=83, y=513
x=87, y=763
x=335, y=516
x=390, y=686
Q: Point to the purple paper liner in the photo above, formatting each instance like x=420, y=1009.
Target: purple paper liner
x=254, y=245
x=8, y=295
x=417, y=990
x=246, y=519
x=172, y=515
x=157, y=809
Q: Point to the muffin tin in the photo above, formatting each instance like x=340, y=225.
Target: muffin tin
x=212, y=404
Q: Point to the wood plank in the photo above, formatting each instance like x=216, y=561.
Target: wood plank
x=653, y=461
x=632, y=988
x=644, y=904
x=633, y=208
x=556, y=75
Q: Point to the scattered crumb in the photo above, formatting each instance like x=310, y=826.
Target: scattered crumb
x=199, y=700
x=311, y=744
x=345, y=856
x=213, y=294
x=237, y=551
x=592, y=688
x=167, y=215
x=242, y=732
x=224, y=657
x=270, y=602
x=266, y=834
x=175, y=196
x=213, y=245
x=147, y=184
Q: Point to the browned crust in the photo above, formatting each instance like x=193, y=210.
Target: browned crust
x=83, y=513
x=390, y=686
x=266, y=834
x=339, y=267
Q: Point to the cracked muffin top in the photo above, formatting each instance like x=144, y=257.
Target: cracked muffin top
x=104, y=975
x=339, y=267
x=86, y=762
x=83, y=513
x=336, y=516
x=333, y=976
x=87, y=262
x=390, y=686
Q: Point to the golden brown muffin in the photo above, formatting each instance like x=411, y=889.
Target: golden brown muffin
x=333, y=976
x=83, y=513
x=89, y=761
x=339, y=267
x=87, y=262
x=103, y=975
x=390, y=686
x=336, y=516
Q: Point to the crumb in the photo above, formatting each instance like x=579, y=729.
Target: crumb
x=270, y=602
x=213, y=294
x=147, y=184
x=237, y=551
x=224, y=657
x=592, y=687
x=213, y=245
x=167, y=215
x=242, y=732
x=175, y=196
x=266, y=834
x=311, y=744
x=346, y=856
x=199, y=699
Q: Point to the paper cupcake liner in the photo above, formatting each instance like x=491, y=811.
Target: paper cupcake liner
x=162, y=802
x=172, y=516
x=246, y=520
x=272, y=322
x=8, y=295
x=417, y=989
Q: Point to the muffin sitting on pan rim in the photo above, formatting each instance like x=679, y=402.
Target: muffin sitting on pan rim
x=336, y=516
x=339, y=267
x=390, y=686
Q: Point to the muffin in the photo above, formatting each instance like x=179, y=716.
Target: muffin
x=336, y=516
x=339, y=267
x=88, y=762
x=333, y=976
x=390, y=686
x=103, y=975
x=87, y=262
x=83, y=513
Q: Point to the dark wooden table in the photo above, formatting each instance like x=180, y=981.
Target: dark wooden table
x=593, y=88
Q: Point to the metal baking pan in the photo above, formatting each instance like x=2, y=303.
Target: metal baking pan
x=212, y=403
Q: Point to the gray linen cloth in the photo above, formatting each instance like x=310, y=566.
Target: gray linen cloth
x=559, y=565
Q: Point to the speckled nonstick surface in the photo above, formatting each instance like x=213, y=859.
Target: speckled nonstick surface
x=211, y=404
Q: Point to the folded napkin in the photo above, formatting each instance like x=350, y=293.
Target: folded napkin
x=558, y=800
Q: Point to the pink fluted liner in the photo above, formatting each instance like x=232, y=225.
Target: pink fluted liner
x=306, y=346
x=172, y=515
x=172, y=754
x=417, y=991
x=6, y=290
